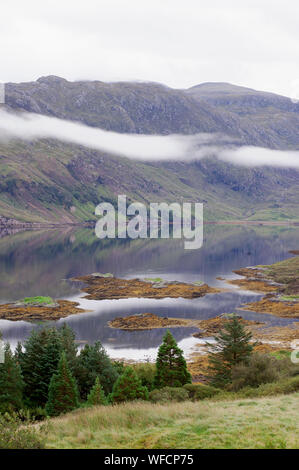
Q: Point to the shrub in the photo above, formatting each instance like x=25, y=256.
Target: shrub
x=260, y=369
x=14, y=435
x=146, y=373
x=283, y=387
x=167, y=394
x=200, y=392
x=128, y=387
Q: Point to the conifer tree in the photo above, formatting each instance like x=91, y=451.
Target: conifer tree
x=63, y=392
x=96, y=395
x=128, y=387
x=232, y=347
x=11, y=383
x=68, y=345
x=19, y=353
x=39, y=361
x=171, y=367
x=94, y=362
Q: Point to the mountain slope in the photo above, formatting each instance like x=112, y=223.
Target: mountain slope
x=57, y=182
x=266, y=117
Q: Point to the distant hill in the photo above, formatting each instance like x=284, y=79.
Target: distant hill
x=53, y=181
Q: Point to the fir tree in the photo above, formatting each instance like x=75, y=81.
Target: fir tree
x=63, y=392
x=19, y=353
x=11, y=383
x=128, y=387
x=96, y=395
x=68, y=345
x=171, y=367
x=232, y=347
x=93, y=363
x=39, y=361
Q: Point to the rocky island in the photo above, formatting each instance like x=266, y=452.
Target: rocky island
x=106, y=286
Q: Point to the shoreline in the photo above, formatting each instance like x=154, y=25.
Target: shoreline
x=10, y=223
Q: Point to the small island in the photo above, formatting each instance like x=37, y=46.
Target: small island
x=105, y=286
x=38, y=309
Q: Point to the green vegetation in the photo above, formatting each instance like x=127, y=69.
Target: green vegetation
x=286, y=272
x=168, y=394
x=96, y=395
x=63, y=392
x=200, y=391
x=15, y=435
x=11, y=383
x=57, y=380
x=37, y=300
x=128, y=387
x=289, y=297
x=260, y=369
x=171, y=367
x=154, y=279
x=146, y=372
x=232, y=346
x=39, y=362
x=93, y=362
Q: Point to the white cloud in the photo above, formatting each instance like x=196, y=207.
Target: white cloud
x=143, y=147
x=258, y=156
x=34, y=126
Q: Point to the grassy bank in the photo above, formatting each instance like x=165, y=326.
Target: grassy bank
x=270, y=422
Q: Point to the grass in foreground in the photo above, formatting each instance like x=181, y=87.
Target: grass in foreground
x=270, y=422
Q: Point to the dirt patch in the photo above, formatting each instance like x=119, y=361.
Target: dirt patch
x=99, y=288
x=62, y=309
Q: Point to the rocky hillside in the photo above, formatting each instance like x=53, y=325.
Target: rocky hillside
x=267, y=119
x=51, y=181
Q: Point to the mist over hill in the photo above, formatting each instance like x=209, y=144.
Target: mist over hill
x=49, y=179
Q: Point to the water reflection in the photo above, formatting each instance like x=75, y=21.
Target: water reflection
x=37, y=263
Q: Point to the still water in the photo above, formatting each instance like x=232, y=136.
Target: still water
x=41, y=262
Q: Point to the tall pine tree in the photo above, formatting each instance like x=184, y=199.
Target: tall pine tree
x=171, y=367
x=63, y=392
x=232, y=347
x=11, y=383
x=39, y=361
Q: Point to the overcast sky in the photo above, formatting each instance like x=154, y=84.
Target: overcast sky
x=180, y=43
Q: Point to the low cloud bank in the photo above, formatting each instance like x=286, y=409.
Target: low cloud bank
x=29, y=126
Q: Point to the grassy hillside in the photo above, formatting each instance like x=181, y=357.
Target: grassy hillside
x=50, y=181
x=270, y=422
